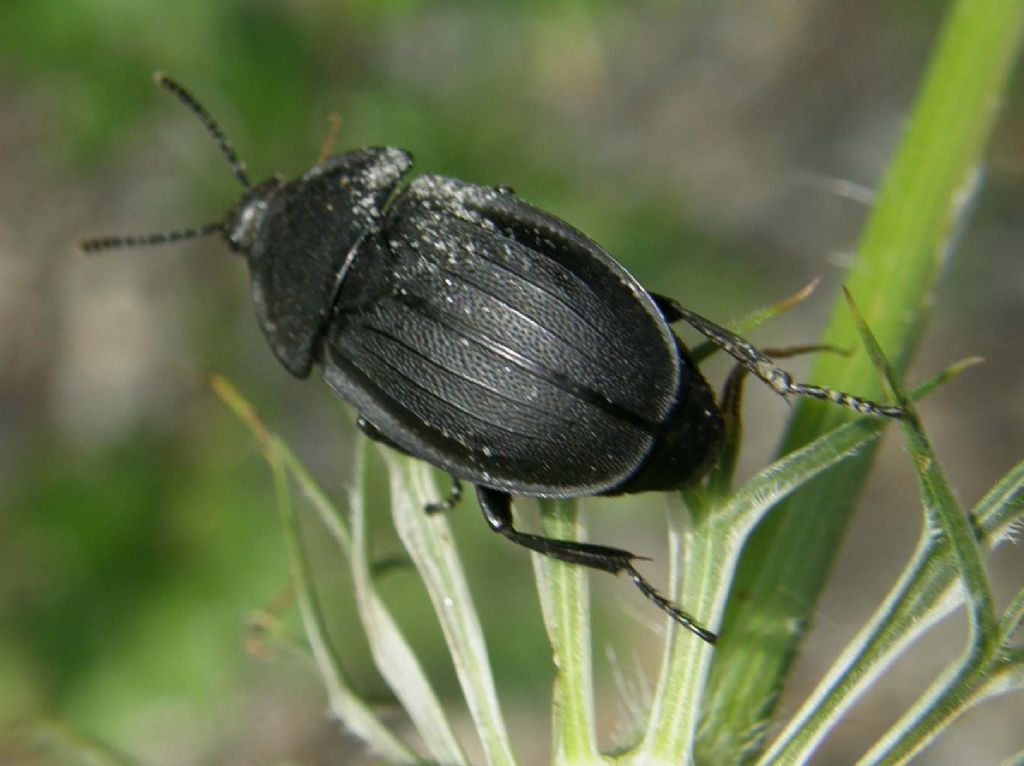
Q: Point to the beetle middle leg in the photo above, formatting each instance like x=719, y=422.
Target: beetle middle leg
x=454, y=494
x=763, y=367
x=497, y=508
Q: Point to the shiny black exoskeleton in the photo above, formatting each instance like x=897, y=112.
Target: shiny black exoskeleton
x=483, y=335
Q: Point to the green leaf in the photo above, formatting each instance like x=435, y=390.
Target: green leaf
x=910, y=234
x=986, y=667
x=924, y=594
x=941, y=509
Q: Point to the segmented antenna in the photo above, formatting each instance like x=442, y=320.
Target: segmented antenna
x=237, y=166
x=96, y=244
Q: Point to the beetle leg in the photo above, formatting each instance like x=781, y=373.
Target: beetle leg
x=776, y=377
x=454, y=495
x=497, y=508
x=669, y=307
x=732, y=391
x=332, y=134
x=374, y=433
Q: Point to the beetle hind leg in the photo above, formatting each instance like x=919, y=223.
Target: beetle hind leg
x=765, y=369
x=497, y=508
x=669, y=307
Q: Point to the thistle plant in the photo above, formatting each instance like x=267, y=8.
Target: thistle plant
x=713, y=706
x=707, y=528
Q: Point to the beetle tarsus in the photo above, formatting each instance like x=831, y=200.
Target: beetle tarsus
x=454, y=496
x=668, y=607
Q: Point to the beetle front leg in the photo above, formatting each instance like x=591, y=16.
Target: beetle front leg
x=497, y=508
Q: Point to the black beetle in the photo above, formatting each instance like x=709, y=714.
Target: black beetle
x=481, y=334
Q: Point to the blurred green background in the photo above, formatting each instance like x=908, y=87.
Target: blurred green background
x=724, y=152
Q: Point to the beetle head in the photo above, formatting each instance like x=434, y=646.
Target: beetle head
x=301, y=239
x=244, y=219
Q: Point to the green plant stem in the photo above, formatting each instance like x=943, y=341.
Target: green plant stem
x=392, y=654
x=980, y=674
x=710, y=547
x=428, y=539
x=966, y=681
x=565, y=601
x=710, y=554
x=900, y=257
x=345, y=704
x=948, y=697
x=944, y=515
x=429, y=543
x=896, y=624
x=925, y=593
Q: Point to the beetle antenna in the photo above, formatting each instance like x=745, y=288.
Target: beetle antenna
x=237, y=166
x=96, y=244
